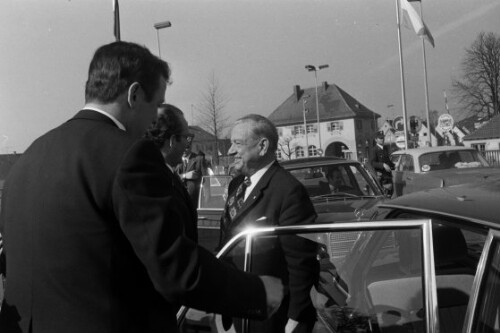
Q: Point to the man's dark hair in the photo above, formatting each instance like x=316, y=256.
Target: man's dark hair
x=263, y=128
x=116, y=66
x=167, y=124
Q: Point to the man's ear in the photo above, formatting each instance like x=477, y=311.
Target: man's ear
x=264, y=146
x=133, y=92
x=172, y=140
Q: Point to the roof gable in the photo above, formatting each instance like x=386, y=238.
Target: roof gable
x=334, y=104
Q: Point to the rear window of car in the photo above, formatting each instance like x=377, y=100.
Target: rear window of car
x=452, y=159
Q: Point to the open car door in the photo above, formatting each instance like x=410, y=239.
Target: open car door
x=374, y=277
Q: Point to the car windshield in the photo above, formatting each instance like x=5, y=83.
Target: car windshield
x=336, y=181
x=452, y=159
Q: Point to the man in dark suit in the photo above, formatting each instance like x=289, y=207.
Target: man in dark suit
x=191, y=169
x=383, y=164
x=170, y=133
x=95, y=232
x=272, y=197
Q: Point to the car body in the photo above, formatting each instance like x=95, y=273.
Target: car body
x=429, y=167
x=429, y=262
x=357, y=203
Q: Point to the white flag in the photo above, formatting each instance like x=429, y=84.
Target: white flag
x=411, y=15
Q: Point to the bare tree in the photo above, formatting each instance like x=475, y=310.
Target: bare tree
x=478, y=90
x=286, y=147
x=211, y=114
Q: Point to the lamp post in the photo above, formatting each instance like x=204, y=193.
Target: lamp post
x=158, y=26
x=315, y=69
x=304, y=111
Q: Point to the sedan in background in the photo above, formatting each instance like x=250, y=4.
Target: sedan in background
x=424, y=168
x=430, y=262
x=339, y=189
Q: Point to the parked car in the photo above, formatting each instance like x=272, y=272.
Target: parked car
x=351, y=193
x=424, y=168
x=430, y=262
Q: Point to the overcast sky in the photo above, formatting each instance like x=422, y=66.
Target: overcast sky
x=257, y=50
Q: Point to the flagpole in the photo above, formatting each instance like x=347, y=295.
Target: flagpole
x=403, y=94
x=425, y=81
x=116, y=20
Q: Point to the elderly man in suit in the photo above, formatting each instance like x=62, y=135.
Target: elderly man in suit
x=95, y=231
x=265, y=194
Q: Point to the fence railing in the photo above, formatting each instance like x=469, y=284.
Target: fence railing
x=492, y=156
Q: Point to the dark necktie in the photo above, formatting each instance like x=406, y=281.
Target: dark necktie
x=233, y=205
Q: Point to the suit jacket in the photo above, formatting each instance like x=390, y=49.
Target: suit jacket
x=381, y=156
x=100, y=238
x=282, y=200
x=195, y=163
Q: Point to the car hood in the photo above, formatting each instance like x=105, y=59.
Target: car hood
x=346, y=209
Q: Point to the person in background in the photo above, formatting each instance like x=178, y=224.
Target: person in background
x=262, y=193
x=170, y=133
x=191, y=169
x=95, y=236
x=383, y=164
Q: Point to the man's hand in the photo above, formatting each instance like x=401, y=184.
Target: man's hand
x=274, y=293
x=291, y=325
x=193, y=174
x=387, y=167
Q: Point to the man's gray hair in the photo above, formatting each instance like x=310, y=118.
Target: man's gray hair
x=263, y=127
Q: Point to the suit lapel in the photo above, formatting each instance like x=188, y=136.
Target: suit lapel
x=190, y=163
x=257, y=191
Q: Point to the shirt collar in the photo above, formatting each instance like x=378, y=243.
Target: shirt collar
x=116, y=121
x=255, y=178
x=381, y=147
x=171, y=169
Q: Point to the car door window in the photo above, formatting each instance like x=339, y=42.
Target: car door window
x=366, y=282
x=407, y=163
x=486, y=304
x=457, y=251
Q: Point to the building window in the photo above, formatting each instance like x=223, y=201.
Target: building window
x=479, y=146
x=280, y=132
x=278, y=154
x=359, y=124
x=312, y=151
x=335, y=126
x=299, y=151
x=312, y=129
x=298, y=130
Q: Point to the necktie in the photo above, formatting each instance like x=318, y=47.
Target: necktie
x=233, y=205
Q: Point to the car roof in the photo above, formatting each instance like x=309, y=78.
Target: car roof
x=478, y=202
x=424, y=150
x=309, y=162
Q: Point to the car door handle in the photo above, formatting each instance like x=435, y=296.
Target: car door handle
x=409, y=178
x=202, y=218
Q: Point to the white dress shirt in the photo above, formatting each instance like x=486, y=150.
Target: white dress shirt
x=254, y=179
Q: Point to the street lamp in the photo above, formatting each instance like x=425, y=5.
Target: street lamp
x=158, y=26
x=304, y=111
x=315, y=69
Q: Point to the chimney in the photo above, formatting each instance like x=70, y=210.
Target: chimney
x=325, y=85
x=297, y=92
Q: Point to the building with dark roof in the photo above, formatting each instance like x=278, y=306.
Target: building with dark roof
x=486, y=137
x=346, y=127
